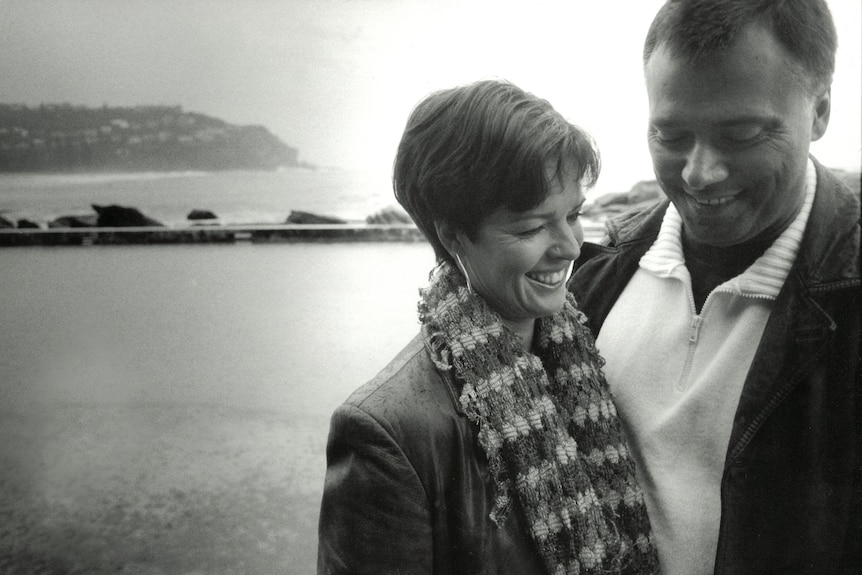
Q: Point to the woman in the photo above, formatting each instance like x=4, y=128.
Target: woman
x=490, y=444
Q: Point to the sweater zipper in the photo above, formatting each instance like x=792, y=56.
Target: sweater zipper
x=693, y=334
x=694, y=328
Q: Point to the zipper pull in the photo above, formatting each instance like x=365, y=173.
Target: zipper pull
x=695, y=328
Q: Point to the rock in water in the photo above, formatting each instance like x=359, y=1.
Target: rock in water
x=201, y=215
x=297, y=217
x=114, y=216
x=85, y=221
x=389, y=215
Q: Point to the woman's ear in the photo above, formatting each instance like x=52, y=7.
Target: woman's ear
x=449, y=237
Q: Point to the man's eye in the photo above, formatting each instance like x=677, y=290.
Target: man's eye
x=743, y=135
x=573, y=217
x=668, y=137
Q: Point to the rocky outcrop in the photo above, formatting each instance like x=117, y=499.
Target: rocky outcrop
x=114, y=216
x=643, y=192
x=389, y=215
x=82, y=221
x=27, y=224
x=298, y=217
x=201, y=215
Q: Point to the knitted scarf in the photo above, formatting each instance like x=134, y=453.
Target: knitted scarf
x=548, y=426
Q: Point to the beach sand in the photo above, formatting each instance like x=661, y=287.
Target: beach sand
x=157, y=490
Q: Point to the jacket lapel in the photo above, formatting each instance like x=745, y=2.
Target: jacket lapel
x=613, y=266
x=798, y=328
x=793, y=341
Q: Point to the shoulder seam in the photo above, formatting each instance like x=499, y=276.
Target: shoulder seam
x=385, y=431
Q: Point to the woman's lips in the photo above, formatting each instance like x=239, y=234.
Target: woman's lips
x=548, y=278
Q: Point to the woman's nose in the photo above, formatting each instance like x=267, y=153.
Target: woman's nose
x=568, y=244
x=704, y=166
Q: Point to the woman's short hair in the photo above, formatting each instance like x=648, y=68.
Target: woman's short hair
x=698, y=29
x=471, y=150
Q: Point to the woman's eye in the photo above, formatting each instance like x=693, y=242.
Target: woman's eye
x=531, y=232
x=573, y=217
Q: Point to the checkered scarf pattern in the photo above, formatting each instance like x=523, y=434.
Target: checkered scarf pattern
x=548, y=426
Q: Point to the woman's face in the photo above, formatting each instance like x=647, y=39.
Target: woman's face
x=519, y=261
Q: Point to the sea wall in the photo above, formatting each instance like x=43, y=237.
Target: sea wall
x=87, y=236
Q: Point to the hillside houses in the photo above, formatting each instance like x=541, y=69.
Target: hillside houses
x=62, y=137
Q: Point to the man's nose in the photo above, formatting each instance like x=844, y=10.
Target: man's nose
x=704, y=166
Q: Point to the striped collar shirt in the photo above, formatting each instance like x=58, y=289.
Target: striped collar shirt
x=763, y=278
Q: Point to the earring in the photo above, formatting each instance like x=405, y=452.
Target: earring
x=464, y=271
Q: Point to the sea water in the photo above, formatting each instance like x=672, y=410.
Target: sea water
x=236, y=197
x=164, y=409
x=251, y=325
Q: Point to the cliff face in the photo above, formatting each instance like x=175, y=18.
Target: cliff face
x=144, y=138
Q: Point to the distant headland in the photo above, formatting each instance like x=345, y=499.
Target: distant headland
x=67, y=138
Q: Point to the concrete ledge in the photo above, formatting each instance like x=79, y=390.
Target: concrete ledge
x=12, y=237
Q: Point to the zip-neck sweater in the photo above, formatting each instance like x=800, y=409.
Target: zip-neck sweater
x=677, y=377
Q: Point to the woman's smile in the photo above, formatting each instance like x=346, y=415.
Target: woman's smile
x=549, y=279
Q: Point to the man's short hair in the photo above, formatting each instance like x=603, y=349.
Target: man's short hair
x=471, y=150
x=700, y=29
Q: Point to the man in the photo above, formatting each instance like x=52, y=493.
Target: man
x=729, y=316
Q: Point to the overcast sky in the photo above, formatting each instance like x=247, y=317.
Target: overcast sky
x=337, y=78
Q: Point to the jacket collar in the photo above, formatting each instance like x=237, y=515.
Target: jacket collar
x=829, y=256
x=825, y=259
x=763, y=278
x=636, y=227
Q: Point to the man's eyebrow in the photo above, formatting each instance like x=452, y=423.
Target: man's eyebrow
x=747, y=119
x=750, y=119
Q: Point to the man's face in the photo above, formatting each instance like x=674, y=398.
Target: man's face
x=729, y=138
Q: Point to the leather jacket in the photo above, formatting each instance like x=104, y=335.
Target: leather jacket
x=791, y=492
x=407, y=487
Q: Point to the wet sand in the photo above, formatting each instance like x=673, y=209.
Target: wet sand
x=159, y=490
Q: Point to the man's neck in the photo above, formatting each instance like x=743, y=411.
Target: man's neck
x=711, y=266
